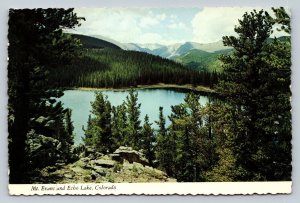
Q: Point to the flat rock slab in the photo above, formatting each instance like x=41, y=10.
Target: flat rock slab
x=103, y=163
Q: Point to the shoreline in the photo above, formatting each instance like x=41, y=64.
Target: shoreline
x=198, y=88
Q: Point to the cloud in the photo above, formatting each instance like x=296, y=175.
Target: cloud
x=149, y=37
x=163, y=26
x=178, y=25
x=150, y=19
x=118, y=24
x=210, y=24
x=122, y=25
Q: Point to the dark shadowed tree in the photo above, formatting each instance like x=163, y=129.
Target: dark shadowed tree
x=36, y=46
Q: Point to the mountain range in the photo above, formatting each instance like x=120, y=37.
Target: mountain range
x=174, y=50
x=198, y=56
x=168, y=51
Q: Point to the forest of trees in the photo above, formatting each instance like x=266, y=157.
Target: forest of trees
x=110, y=67
x=243, y=135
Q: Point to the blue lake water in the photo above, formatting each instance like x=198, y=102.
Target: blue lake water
x=151, y=99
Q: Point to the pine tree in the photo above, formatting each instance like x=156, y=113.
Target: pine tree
x=224, y=123
x=34, y=51
x=119, y=124
x=191, y=145
x=148, y=140
x=88, y=138
x=134, y=124
x=277, y=126
x=99, y=130
x=165, y=147
x=249, y=87
x=69, y=127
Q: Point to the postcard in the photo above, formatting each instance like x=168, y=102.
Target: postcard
x=154, y=101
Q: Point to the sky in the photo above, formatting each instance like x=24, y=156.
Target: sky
x=160, y=25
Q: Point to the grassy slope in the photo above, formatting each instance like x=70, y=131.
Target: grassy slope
x=202, y=60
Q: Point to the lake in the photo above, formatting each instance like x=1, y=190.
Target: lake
x=151, y=99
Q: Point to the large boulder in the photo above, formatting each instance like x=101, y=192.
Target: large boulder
x=42, y=150
x=130, y=155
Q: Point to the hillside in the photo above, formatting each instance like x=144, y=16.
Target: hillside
x=109, y=67
x=202, y=60
x=103, y=64
x=92, y=42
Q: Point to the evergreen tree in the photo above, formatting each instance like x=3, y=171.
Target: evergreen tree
x=249, y=86
x=69, y=127
x=134, y=123
x=277, y=126
x=36, y=46
x=88, y=138
x=225, y=124
x=165, y=146
x=119, y=124
x=99, y=130
x=148, y=140
x=192, y=147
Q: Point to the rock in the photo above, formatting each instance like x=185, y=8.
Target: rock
x=41, y=150
x=89, y=150
x=103, y=163
x=88, y=166
x=81, y=155
x=98, y=155
x=85, y=159
x=59, y=165
x=101, y=171
x=69, y=175
x=91, y=156
x=51, y=169
x=116, y=157
x=127, y=153
x=94, y=175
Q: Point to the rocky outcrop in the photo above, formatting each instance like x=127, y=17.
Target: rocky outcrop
x=41, y=150
x=103, y=163
x=124, y=165
x=44, y=151
x=130, y=155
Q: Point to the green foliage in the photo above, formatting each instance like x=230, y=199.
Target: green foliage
x=109, y=67
x=69, y=126
x=110, y=127
x=282, y=18
x=133, y=120
x=184, y=152
x=256, y=86
x=147, y=141
x=119, y=124
x=99, y=129
x=202, y=60
x=165, y=146
x=36, y=46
